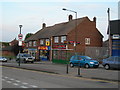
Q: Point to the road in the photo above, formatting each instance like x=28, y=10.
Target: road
x=21, y=78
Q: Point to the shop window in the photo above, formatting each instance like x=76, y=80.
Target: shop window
x=56, y=39
x=30, y=43
x=41, y=42
x=87, y=41
x=34, y=43
x=63, y=38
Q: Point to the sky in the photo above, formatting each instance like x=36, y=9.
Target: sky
x=32, y=13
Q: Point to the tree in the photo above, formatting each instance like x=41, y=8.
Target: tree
x=28, y=35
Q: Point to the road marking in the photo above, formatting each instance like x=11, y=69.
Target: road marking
x=6, y=77
x=68, y=76
x=15, y=84
x=23, y=87
x=24, y=83
x=9, y=82
x=17, y=80
x=11, y=79
x=33, y=86
x=3, y=79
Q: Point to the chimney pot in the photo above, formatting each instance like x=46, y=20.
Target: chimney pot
x=94, y=19
x=70, y=17
x=44, y=25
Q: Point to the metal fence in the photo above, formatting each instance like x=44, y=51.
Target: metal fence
x=97, y=52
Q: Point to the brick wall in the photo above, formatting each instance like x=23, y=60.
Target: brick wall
x=87, y=29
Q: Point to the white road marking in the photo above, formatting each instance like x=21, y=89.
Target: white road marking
x=9, y=82
x=11, y=79
x=23, y=87
x=6, y=77
x=33, y=86
x=17, y=80
x=24, y=83
x=3, y=79
x=15, y=84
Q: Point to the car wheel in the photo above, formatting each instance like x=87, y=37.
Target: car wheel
x=71, y=65
x=107, y=67
x=87, y=66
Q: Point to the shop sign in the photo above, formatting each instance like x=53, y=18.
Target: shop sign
x=116, y=36
x=44, y=47
x=59, y=47
x=47, y=43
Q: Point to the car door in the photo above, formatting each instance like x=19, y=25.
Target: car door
x=117, y=62
x=112, y=62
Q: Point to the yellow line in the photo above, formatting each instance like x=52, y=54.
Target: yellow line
x=68, y=76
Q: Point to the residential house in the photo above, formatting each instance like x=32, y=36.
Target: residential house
x=55, y=42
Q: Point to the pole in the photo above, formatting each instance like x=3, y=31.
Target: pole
x=109, y=37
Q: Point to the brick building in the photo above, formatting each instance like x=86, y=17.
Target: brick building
x=55, y=42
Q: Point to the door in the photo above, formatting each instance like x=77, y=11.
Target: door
x=116, y=47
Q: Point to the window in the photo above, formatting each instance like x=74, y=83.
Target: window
x=87, y=41
x=26, y=44
x=30, y=43
x=41, y=42
x=56, y=39
x=34, y=43
x=63, y=38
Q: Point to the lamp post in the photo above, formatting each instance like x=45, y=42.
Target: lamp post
x=20, y=42
x=75, y=29
x=75, y=42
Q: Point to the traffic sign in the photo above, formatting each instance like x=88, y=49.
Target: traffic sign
x=20, y=36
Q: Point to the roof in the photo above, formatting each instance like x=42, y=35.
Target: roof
x=57, y=29
x=114, y=27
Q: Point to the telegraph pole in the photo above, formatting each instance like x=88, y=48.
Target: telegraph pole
x=108, y=11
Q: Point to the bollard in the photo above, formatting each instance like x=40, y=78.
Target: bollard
x=79, y=70
x=67, y=69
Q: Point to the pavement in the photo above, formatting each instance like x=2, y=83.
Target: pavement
x=49, y=67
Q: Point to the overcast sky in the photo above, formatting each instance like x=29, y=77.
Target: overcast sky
x=32, y=13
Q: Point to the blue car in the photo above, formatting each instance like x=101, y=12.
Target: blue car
x=83, y=61
x=112, y=62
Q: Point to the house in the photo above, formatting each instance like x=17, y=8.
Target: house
x=55, y=42
x=114, y=38
x=11, y=49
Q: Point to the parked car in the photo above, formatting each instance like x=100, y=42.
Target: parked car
x=112, y=62
x=3, y=59
x=83, y=61
x=24, y=58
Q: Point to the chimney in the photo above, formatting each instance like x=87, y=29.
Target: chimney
x=43, y=25
x=94, y=19
x=70, y=17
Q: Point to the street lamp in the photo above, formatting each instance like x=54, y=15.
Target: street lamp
x=75, y=25
x=75, y=42
x=20, y=42
x=20, y=28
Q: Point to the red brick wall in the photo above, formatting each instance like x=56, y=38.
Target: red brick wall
x=87, y=29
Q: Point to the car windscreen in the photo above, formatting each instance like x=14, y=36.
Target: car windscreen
x=86, y=57
x=26, y=55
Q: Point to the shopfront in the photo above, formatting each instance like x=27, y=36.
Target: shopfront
x=32, y=51
x=44, y=53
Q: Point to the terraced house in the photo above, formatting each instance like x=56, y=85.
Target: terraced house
x=57, y=42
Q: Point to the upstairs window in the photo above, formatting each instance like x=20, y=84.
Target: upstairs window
x=30, y=43
x=41, y=42
x=34, y=43
x=56, y=39
x=26, y=44
x=63, y=38
x=87, y=41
